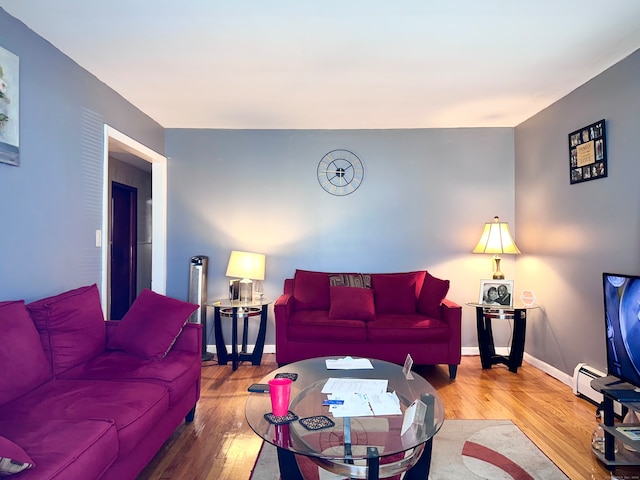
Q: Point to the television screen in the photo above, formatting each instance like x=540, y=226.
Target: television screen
x=622, y=316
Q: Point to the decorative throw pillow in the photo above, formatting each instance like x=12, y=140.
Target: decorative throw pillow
x=20, y=347
x=151, y=326
x=311, y=290
x=433, y=291
x=71, y=326
x=13, y=459
x=351, y=303
x=350, y=280
x=395, y=292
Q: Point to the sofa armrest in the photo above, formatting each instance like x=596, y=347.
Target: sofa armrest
x=189, y=340
x=282, y=310
x=451, y=312
x=452, y=315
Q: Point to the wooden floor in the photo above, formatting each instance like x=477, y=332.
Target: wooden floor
x=219, y=445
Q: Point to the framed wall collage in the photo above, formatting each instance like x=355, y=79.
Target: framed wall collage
x=588, y=153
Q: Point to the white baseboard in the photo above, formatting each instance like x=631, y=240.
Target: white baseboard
x=267, y=348
x=550, y=370
x=539, y=364
x=466, y=351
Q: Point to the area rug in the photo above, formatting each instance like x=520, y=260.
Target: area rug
x=464, y=450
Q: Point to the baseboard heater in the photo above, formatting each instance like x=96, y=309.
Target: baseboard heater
x=582, y=376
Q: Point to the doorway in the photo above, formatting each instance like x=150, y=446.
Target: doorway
x=120, y=146
x=124, y=248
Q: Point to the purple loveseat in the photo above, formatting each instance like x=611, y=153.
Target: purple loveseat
x=383, y=316
x=81, y=398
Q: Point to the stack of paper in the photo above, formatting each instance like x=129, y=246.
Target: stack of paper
x=348, y=363
x=361, y=397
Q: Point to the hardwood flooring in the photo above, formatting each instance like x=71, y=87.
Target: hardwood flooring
x=219, y=445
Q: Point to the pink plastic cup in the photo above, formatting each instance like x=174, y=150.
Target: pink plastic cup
x=280, y=390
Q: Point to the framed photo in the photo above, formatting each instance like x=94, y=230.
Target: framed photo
x=496, y=292
x=9, y=108
x=234, y=290
x=588, y=153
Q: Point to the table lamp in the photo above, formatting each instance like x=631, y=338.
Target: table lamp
x=496, y=239
x=248, y=267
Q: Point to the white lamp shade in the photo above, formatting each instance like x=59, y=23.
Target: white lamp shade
x=496, y=239
x=246, y=265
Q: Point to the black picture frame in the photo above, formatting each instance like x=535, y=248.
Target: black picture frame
x=588, y=153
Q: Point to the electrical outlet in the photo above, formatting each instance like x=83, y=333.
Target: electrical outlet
x=98, y=238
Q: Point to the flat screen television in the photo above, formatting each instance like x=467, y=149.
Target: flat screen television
x=622, y=316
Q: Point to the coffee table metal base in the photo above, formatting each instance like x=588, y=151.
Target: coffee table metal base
x=415, y=466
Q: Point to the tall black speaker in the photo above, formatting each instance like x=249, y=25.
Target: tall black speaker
x=198, y=295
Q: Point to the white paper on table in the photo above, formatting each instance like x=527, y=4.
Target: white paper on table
x=355, y=385
x=348, y=363
x=386, y=403
x=365, y=405
x=355, y=405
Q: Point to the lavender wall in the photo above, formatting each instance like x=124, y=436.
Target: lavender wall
x=423, y=203
x=573, y=233
x=51, y=206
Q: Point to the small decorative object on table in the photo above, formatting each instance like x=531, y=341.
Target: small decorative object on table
x=316, y=423
x=279, y=420
x=496, y=293
x=291, y=376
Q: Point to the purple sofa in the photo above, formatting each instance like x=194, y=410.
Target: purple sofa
x=383, y=316
x=81, y=398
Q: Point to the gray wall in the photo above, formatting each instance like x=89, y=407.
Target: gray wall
x=51, y=206
x=572, y=233
x=423, y=203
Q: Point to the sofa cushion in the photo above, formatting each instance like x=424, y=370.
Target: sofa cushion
x=134, y=407
x=315, y=326
x=351, y=303
x=177, y=372
x=13, y=459
x=416, y=328
x=362, y=280
x=432, y=293
x=20, y=348
x=311, y=290
x=71, y=326
x=151, y=326
x=396, y=292
x=77, y=449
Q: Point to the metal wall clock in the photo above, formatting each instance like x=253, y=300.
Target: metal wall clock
x=340, y=172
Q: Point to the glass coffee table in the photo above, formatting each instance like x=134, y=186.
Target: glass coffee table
x=358, y=447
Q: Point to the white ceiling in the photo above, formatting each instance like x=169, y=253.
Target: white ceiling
x=338, y=64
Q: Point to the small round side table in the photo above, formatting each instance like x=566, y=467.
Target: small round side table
x=484, y=315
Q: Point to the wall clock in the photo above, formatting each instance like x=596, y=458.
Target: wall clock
x=340, y=172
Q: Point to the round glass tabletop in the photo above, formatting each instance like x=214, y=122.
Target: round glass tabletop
x=328, y=444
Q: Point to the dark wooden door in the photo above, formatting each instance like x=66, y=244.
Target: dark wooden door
x=124, y=200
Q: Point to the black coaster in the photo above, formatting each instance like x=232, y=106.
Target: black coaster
x=292, y=376
x=288, y=418
x=316, y=423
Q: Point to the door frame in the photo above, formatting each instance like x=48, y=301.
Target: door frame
x=158, y=212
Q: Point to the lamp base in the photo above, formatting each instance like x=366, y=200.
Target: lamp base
x=497, y=274
x=246, y=290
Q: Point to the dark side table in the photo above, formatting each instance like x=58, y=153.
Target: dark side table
x=484, y=315
x=235, y=310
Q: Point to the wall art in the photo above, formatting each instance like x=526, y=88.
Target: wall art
x=588, y=153
x=9, y=108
